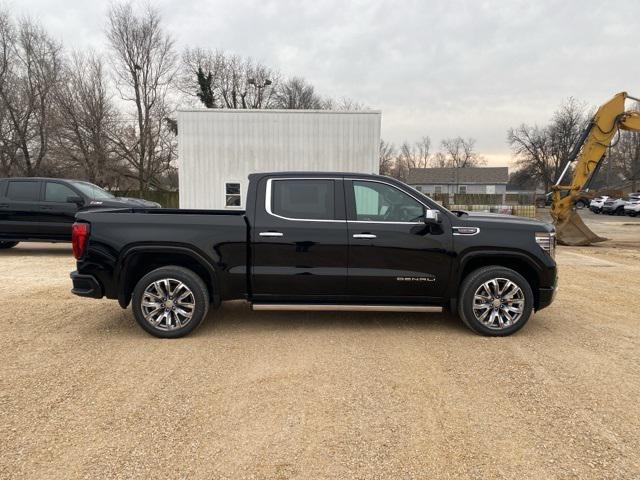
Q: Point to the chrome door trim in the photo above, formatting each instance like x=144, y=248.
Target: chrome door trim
x=364, y=235
x=386, y=223
x=271, y=234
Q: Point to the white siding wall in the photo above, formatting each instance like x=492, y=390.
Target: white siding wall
x=219, y=146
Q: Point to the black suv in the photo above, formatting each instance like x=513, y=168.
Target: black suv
x=43, y=209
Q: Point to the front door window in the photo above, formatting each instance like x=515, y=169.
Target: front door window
x=379, y=202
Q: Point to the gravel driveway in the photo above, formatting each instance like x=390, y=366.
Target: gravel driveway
x=85, y=393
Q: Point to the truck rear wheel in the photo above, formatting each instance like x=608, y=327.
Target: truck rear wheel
x=6, y=245
x=495, y=301
x=170, y=302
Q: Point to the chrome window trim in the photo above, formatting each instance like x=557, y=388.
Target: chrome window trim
x=267, y=200
x=386, y=223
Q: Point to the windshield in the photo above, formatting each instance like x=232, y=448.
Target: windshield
x=92, y=191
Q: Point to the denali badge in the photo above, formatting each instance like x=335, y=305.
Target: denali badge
x=430, y=278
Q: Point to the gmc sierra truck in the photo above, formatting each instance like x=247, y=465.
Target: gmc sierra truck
x=317, y=241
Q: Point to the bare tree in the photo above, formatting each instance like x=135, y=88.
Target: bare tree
x=144, y=62
x=296, y=93
x=387, y=158
x=416, y=155
x=219, y=80
x=544, y=151
x=86, y=119
x=460, y=153
x=30, y=65
x=624, y=158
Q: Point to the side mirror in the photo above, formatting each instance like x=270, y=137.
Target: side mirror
x=77, y=200
x=432, y=217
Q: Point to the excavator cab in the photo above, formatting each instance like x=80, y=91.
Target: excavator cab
x=586, y=158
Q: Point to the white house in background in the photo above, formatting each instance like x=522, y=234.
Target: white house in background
x=219, y=148
x=485, y=180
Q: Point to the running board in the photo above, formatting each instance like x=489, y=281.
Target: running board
x=345, y=308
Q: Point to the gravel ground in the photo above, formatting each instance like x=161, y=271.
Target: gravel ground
x=85, y=393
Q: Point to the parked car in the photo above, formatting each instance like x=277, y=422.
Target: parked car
x=582, y=202
x=43, y=209
x=543, y=201
x=317, y=241
x=597, y=204
x=614, y=206
x=632, y=208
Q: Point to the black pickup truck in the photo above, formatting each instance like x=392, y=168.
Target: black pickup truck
x=43, y=209
x=317, y=241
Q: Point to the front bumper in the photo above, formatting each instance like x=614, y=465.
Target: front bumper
x=86, y=286
x=546, y=296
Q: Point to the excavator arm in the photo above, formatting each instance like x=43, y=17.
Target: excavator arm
x=586, y=158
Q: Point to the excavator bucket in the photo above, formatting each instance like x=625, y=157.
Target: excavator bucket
x=572, y=231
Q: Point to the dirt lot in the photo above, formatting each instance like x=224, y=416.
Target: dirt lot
x=85, y=393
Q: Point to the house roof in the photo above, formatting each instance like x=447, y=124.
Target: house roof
x=456, y=176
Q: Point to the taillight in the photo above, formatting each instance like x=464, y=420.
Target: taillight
x=79, y=235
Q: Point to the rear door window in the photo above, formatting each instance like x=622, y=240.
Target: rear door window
x=24, y=191
x=303, y=199
x=57, y=192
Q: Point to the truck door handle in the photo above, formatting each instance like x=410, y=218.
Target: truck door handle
x=364, y=235
x=271, y=234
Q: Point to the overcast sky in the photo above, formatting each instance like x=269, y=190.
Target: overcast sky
x=436, y=68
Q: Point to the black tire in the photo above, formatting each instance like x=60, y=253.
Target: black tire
x=7, y=245
x=580, y=204
x=191, y=280
x=619, y=211
x=474, y=280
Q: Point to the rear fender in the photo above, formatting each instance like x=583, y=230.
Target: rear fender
x=123, y=270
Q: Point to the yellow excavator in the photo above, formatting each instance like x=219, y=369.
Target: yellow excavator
x=586, y=157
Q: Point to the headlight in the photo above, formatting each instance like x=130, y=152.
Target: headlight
x=547, y=241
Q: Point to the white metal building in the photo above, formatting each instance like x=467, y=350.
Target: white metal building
x=219, y=148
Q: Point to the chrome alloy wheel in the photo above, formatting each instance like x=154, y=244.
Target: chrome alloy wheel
x=498, y=303
x=168, y=304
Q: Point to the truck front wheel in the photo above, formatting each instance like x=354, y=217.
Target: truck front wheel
x=495, y=301
x=170, y=302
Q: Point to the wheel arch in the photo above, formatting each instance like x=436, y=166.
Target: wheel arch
x=137, y=261
x=516, y=261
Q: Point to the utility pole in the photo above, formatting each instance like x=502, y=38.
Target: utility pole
x=259, y=87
